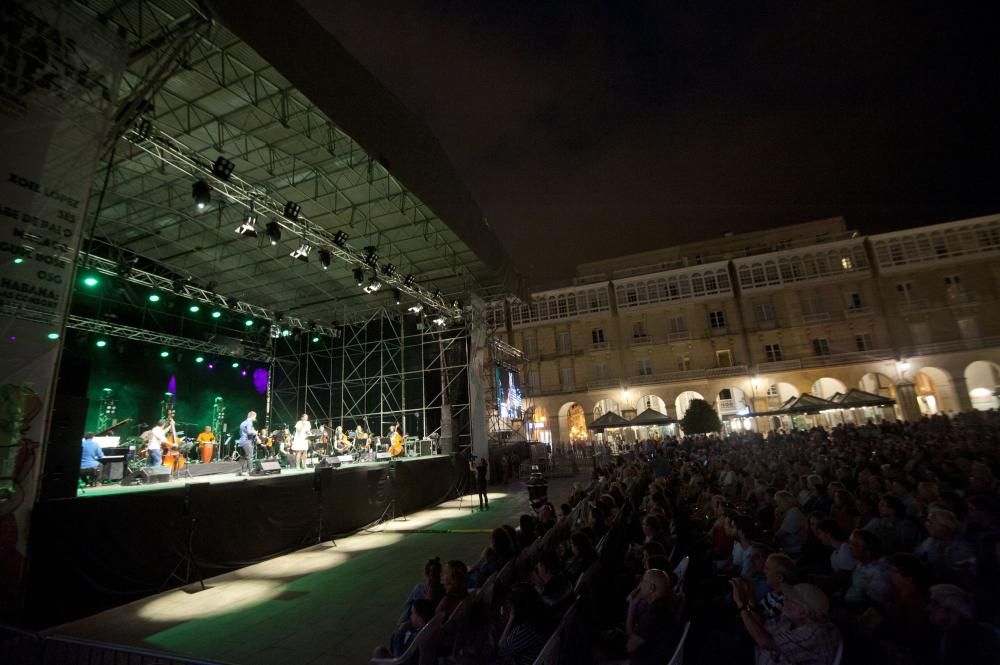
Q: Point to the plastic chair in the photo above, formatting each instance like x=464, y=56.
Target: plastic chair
x=680, y=571
x=837, y=657
x=678, y=657
x=426, y=633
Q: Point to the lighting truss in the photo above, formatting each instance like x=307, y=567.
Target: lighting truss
x=173, y=153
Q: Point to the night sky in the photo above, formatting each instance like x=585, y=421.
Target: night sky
x=604, y=128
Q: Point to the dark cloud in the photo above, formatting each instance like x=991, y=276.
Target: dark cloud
x=592, y=128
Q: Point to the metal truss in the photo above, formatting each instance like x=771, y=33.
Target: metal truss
x=257, y=199
x=376, y=373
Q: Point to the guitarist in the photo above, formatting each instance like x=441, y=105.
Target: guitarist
x=248, y=436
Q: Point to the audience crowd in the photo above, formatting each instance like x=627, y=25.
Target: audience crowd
x=859, y=544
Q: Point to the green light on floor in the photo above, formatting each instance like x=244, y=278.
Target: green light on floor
x=235, y=365
x=18, y=261
x=248, y=323
x=90, y=281
x=164, y=354
x=101, y=343
x=194, y=308
x=53, y=335
x=154, y=297
x=199, y=359
x=216, y=314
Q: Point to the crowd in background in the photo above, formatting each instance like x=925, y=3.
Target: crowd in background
x=874, y=544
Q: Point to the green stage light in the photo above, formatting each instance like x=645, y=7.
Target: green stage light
x=315, y=339
x=164, y=354
x=154, y=297
x=216, y=314
x=235, y=365
x=101, y=343
x=199, y=359
x=248, y=323
x=91, y=281
x=194, y=309
x=18, y=261
x=53, y=335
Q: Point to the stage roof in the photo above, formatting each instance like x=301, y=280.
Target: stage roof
x=265, y=86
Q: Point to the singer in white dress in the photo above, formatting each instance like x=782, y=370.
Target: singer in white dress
x=300, y=444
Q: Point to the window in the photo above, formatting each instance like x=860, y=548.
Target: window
x=530, y=346
x=853, y=300
x=566, y=378
x=764, y=312
x=968, y=328
x=773, y=390
x=597, y=335
x=821, y=346
x=812, y=304
x=678, y=325
x=953, y=286
x=847, y=263
x=683, y=363
x=904, y=292
x=717, y=320
x=600, y=371
x=725, y=393
x=863, y=342
x=773, y=353
x=638, y=330
x=723, y=358
x=563, y=344
x=533, y=381
x=645, y=367
x=920, y=332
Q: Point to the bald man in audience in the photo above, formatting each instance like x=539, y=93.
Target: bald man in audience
x=651, y=637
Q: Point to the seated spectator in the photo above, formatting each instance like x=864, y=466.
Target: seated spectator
x=819, y=501
x=980, y=520
x=513, y=536
x=789, y=524
x=421, y=612
x=524, y=633
x=944, y=550
x=430, y=588
x=493, y=558
x=897, y=533
x=830, y=535
x=546, y=519
x=803, y=634
x=526, y=532
x=844, y=511
x=582, y=555
x=758, y=575
x=870, y=579
x=654, y=530
x=652, y=637
x=815, y=554
x=454, y=580
x=963, y=639
x=552, y=585
x=779, y=570
x=903, y=621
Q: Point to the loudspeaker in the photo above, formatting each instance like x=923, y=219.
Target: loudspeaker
x=113, y=470
x=62, y=452
x=329, y=462
x=426, y=447
x=156, y=474
x=266, y=468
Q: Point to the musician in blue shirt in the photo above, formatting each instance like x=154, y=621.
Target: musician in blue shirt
x=248, y=437
x=90, y=460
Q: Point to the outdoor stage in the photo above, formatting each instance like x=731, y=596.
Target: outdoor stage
x=116, y=544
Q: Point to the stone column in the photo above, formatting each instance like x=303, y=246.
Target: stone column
x=961, y=389
x=906, y=396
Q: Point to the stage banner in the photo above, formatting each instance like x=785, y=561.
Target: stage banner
x=59, y=74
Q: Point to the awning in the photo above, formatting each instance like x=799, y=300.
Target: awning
x=804, y=403
x=652, y=417
x=855, y=398
x=609, y=420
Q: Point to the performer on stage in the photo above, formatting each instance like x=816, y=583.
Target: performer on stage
x=246, y=443
x=300, y=444
x=90, y=461
x=206, y=440
x=157, y=437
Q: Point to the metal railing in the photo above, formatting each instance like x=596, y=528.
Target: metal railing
x=855, y=312
x=852, y=357
x=27, y=648
x=949, y=347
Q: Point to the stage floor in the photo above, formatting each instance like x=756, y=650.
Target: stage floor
x=230, y=476
x=322, y=604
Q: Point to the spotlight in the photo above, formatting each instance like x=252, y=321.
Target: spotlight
x=199, y=359
x=164, y=354
x=302, y=252
x=222, y=168
x=371, y=256
x=409, y=281
x=292, y=211
x=101, y=343
x=154, y=297
x=397, y=296
x=285, y=332
x=340, y=238
x=324, y=258
x=373, y=285
x=273, y=231
x=275, y=331
x=201, y=193
x=359, y=276
x=236, y=365
x=456, y=305
x=53, y=335
x=248, y=323
x=416, y=308
x=439, y=320
x=194, y=309
x=216, y=314
x=125, y=266
x=91, y=280
x=144, y=128
x=388, y=270
x=437, y=294
x=248, y=227
x=315, y=339
x=19, y=260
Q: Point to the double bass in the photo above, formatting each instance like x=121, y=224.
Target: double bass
x=173, y=459
x=395, y=442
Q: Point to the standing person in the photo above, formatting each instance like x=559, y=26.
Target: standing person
x=482, y=480
x=300, y=443
x=157, y=437
x=246, y=442
x=90, y=460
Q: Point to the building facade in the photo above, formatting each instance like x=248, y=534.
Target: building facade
x=748, y=320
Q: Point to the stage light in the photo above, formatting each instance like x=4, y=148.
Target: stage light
x=235, y=365
x=144, y=128
x=248, y=227
x=199, y=359
x=373, y=285
x=201, y=193
x=125, y=266
x=216, y=314
x=244, y=372
x=211, y=366
x=416, y=308
x=359, y=276
x=248, y=323
x=53, y=335
x=194, y=309
x=388, y=270
x=324, y=258
x=301, y=252
x=340, y=238
x=437, y=294
x=154, y=297
x=439, y=320
x=371, y=256
x=409, y=281
x=101, y=343
x=315, y=339
x=285, y=332
x=164, y=354
x=18, y=261
x=397, y=296
x=273, y=231
x=91, y=280
x=292, y=211
x=222, y=168
x=456, y=305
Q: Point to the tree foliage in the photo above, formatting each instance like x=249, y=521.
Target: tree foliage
x=700, y=418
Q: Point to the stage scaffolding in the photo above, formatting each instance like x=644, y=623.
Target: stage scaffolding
x=391, y=367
